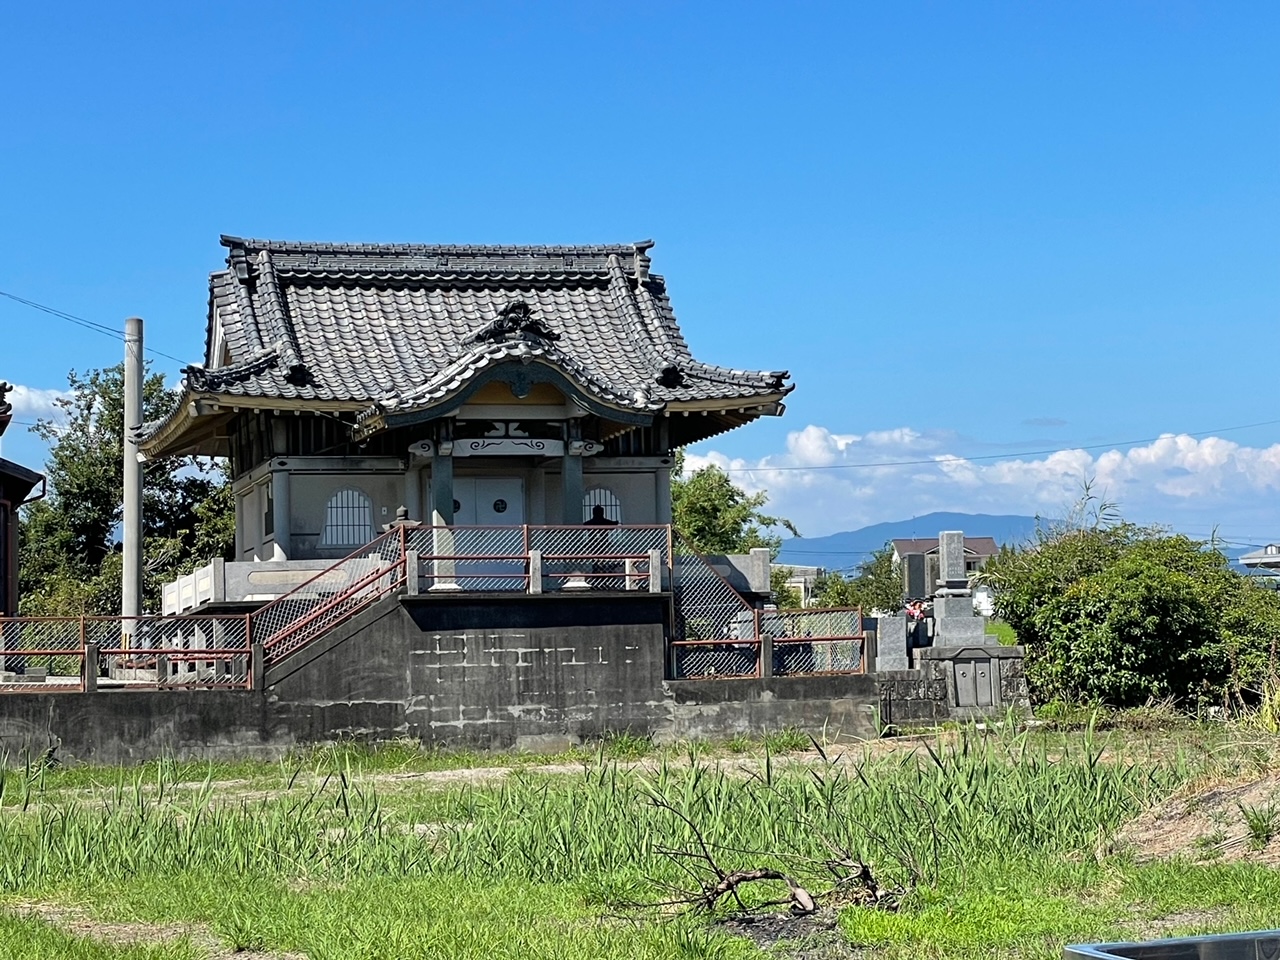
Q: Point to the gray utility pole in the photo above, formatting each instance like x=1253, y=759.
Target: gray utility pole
x=131, y=592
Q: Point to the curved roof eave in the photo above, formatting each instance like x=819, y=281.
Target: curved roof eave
x=517, y=370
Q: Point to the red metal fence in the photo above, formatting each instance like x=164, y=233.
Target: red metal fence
x=715, y=633
x=775, y=643
x=72, y=653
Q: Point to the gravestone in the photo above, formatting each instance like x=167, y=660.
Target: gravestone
x=893, y=647
x=954, y=623
x=914, y=583
x=951, y=572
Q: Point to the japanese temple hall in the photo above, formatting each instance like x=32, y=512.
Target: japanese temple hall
x=471, y=385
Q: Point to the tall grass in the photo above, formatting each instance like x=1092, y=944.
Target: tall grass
x=943, y=814
x=940, y=814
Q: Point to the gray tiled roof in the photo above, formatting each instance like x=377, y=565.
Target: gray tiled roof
x=980, y=546
x=393, y=324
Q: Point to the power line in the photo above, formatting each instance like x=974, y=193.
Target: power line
x=866, y=553
x=996, y=456
x=87, y=324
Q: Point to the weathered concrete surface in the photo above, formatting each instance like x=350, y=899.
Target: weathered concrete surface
x=913, y=697
x=542, y=672
x=122, y=726
x=541, y=667
x=839, y=707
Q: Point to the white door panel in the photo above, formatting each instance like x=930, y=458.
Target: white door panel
x=499, y=501
x=488, y=501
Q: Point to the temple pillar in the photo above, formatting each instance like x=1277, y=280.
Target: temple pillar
x=442, y=475
x=413, y=491
x=280, y=514
x=571, y=474
x=442, y=545
x=538, y=496
x=442, y=488
x=662, y=494
x=662, y=479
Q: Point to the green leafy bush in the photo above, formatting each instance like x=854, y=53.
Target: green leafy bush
x=1114, y=613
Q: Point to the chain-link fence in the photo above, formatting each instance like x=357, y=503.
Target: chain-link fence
x=486, y=559
x=603, y=557
x=41, y=653
x=794, y=657
x=714, y=630
x=49, y=654
x=501, y=558
x=815, y=641
x=181, y=651
x=703, y=660
x=707, y=607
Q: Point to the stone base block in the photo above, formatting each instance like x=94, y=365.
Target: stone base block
x=959, y=631
x=947, y=608
x=981, y=679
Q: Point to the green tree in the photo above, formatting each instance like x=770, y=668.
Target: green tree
x=1115, y=613
x=69, y=552
x=785, y=596
x=877, y=585
x=716, y=516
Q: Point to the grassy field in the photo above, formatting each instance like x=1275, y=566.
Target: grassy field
x=1000, y=843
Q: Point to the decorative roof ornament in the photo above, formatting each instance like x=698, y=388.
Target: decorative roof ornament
x=6, y=408
x=669, y=376
x=514, y=322
x=640, y=259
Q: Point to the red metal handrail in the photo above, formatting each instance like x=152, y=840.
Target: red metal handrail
x=296, y=627
x=358, y=554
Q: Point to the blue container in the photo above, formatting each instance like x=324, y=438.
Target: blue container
x=1259, y=945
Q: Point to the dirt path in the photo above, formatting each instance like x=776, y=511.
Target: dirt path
x=78, y=922
x=1226, y=821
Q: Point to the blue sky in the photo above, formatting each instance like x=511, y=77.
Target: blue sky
x=968, y=230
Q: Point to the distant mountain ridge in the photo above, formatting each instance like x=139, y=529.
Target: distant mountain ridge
x=844, y=551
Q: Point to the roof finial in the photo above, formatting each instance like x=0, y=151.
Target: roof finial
x=6, y=408
x=641, y=260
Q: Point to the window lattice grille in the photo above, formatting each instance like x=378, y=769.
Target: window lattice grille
x=348, y=520
x=603, y=498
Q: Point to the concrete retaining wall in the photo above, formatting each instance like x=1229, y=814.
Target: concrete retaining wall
x=543, y=672
x=121, y=726
x=837, y=707
x=541, y=667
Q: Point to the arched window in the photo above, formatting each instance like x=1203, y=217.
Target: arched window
x=348, y=520
x=601, y=507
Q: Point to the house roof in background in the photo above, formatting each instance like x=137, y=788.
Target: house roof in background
x=394, y=329
x=16, y=481
x=1268, y=556
x=979, y=546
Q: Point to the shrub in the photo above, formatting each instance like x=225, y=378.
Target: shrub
x=1120, y=614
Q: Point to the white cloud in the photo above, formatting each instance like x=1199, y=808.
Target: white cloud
x=30, y=403
x=1177, y=479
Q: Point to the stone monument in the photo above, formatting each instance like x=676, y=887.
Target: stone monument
x=954, y=622
x=980, y=675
